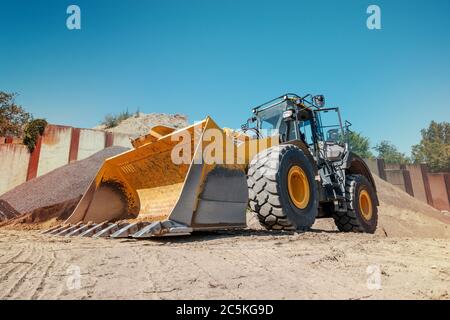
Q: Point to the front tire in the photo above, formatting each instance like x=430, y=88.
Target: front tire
x=282, y=190
x=362, y=213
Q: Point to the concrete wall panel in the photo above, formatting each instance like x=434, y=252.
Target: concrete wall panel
x=377, y=167
x=91, y=141
x=54, y=149
x=401, y=179
x=395, y=177
x=58, y=146
x=14, y=160
x=109, y=137
x=74, y=144
x=122, y=140
x=447, y=183
x=34, y=160
x=419, y=182
x=373, y=166
x=439, y=191
x=393, y=166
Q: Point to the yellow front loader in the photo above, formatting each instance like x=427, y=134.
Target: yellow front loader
x=172, y=182
x=202, y=177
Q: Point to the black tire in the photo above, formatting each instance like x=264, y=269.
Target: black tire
x=353, y=220
x=268, y=191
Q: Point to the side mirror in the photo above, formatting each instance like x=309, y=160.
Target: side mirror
x=319, y=101
x=246, y=125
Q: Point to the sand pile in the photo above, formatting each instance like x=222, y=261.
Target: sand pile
x=401, y=215
x=139, y=125
x=59, y=189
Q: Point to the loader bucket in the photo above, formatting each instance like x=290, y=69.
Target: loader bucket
x=180, y=177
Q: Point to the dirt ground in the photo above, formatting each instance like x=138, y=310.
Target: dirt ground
x=247, y=264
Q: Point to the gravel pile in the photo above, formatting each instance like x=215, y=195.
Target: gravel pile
x=6, y=211
x=60, y=185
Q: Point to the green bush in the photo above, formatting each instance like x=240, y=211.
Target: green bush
x=32, y=131
x=112, y=120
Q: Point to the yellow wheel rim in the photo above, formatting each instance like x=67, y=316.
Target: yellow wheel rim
x=365, y=204
x=298, y=187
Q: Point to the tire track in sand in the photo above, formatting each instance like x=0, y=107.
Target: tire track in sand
x=43, y=276
x=23, y=271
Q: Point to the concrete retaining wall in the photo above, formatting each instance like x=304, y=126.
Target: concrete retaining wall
x=415, y=180
x=58, y=146
x=91, y=141
x=447, y=184
x=54, y=149
x=399, y=176
x=420, y=183
x=373, y=166
x=121, y=140
x=377, y=166
x=440, y=191
x=392, y=166
x=14, y=159
x=401, y=179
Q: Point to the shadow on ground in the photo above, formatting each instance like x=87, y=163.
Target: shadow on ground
x=223, y=234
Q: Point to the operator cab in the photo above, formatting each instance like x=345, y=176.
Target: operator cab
x=332, y=142
x=297, y=118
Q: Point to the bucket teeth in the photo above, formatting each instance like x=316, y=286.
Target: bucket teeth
x=129, y=230
x=96, y=228
x=48, y=231
x=166, y=228
x=148, y=231
x=106, y=232
x=79, y=230
x=54, y=232
x=140, y=230
x=65, y=231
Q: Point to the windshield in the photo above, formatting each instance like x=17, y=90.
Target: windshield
x=330, y=129
x=306, y=132
x=271, y=118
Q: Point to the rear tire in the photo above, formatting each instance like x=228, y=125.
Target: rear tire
x=362, y=213
x=278, y=203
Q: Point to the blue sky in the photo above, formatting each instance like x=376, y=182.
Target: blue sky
x=220, y=58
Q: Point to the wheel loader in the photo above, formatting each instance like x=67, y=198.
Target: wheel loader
x=289, y=164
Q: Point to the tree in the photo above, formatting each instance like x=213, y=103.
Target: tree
x=13, y=117
x=359, y=145
x=390, y=153
x=32, y=131
x=434, y=148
